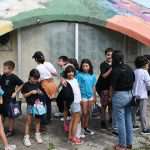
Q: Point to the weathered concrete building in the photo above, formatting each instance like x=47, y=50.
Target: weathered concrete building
x=76, y=28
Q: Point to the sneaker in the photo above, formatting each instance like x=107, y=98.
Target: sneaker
x=82, y=134
x=27, y=141
x=68, y=118
x=58, y=114
x=9, y=133
x=136, y=127
x=88, y=132
x=146, y=131
x=10, y=147
x=114, y=132
x=103, y=125
x=38, y=138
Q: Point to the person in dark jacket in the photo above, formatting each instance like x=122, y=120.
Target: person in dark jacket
x=121, y=85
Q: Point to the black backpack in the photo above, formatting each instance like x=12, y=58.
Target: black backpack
x=127, y=76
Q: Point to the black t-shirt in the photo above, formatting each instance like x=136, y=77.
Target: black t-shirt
x=8, y=84
x=122, y=78
x=28, y=87
x=103, y=83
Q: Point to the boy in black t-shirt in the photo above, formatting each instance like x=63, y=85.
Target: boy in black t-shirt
x=11, y=85
x=32, y=92
x=103, y=85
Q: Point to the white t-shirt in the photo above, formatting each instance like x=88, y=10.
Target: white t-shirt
x=76, y=90
x=141, y=84
x=46, y=70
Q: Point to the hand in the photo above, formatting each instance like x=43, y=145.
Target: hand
x=94, y=100
x=39, y=92
x=34, y=92
x=13, y=95
x=63, y=82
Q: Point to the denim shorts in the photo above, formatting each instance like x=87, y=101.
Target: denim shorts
x=87, y=99
x=75, y=107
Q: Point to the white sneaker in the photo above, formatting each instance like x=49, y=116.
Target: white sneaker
x=10, y=147
x=58, y=114
x=82, y=135
x=38, y=138
x=27, y=141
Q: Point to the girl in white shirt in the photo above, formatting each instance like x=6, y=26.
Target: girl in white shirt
x=47, y=71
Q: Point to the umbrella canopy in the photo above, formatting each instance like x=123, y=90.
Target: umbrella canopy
x=130, y=17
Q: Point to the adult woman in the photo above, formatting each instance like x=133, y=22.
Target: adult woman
x=121, y=85
x=47, y=71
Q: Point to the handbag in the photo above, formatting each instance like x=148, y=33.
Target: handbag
x=135, y=101
x=14, y=109
x=38, y=108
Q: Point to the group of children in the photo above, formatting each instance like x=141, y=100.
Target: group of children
x=77, y=85
x=76, y=95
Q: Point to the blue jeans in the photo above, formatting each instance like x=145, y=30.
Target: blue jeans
x=121, y=100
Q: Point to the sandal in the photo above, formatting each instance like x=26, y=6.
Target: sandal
x=119, y=147
x=76, y=141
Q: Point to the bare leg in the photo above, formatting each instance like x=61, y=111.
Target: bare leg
x=76, y=120
x=2, y=133
x=28, y=124
x=90, y=103
x=11, y=124
x=84, y=107
x=37, y=125
x=70, y=128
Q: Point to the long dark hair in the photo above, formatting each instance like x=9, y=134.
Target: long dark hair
x=74, y=62
x=86, y=61
x=117, y=58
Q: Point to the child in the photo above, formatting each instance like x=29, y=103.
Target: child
x=2, y=133
x=11, y=85
x=31, y=91
x=72, y=96
x=63, y=62
x=140, y=89
x=47, y=72
x=103, y=86
x=87, y=81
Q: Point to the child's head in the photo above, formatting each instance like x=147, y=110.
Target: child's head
x=39, y=57
x=8, y=67
x=141, y=62
x=62, y=60
x=108, y=54
x=74, y=62
x=86, y=66
x=34, y=76
x=69, y=72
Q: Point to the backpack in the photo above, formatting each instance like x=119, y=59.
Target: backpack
x=127, y=76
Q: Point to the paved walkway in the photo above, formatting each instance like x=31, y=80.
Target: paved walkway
x=102, y=140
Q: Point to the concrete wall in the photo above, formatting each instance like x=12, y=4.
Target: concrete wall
x=10, y=54
x=56, y=39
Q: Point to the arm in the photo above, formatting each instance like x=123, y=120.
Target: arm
x=147, y=80
x=94, y=94
x=30, y=93
x=18, y=89
x=52, y=69
x=106, y=74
